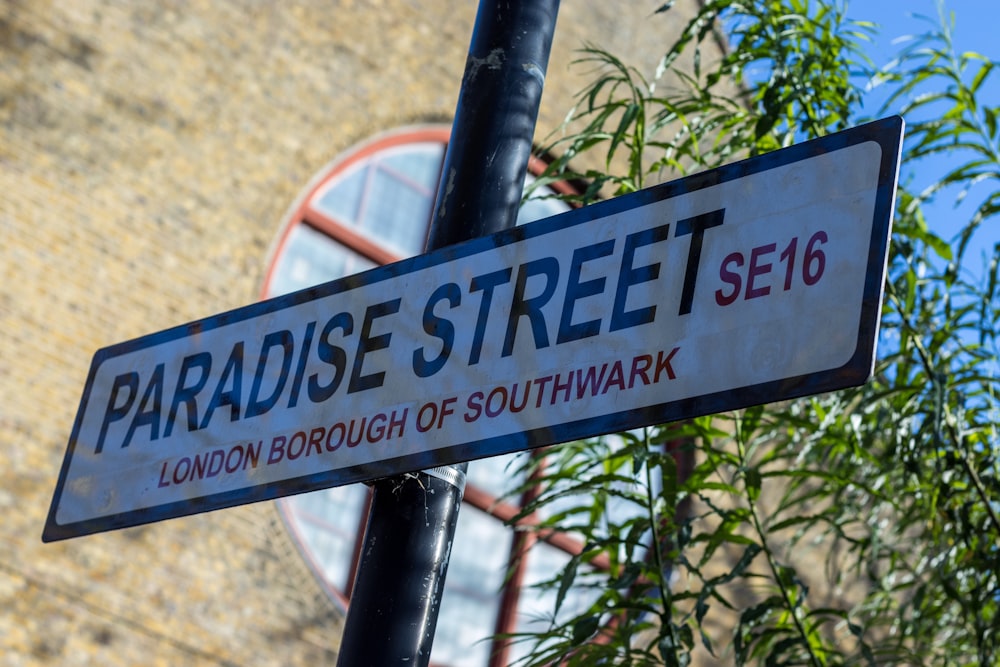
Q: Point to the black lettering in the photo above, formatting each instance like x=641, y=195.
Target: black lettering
x=486, y=283
x=186, y=394
x=368, y=343
x=696, y=226
x=113, y=412
x=628, y=276
x=256, y=406
x=148, y=413
x=300, y=368
x=224, y=395
x=531, y=308
x=576, y=290
x=332, y=355
x=438, y=327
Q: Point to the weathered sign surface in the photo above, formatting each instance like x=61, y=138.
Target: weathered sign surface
x=755, y=282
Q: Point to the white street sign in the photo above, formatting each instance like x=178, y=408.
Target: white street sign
x=755, y=282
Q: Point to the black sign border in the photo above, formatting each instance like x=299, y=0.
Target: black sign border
x=887, y=132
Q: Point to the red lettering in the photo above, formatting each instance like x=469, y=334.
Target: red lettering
x=233, y=467
x=376, y=427
x=181, y=477
x=564, y=387
x=498, y=391
x=814, y=261
x=646, y=361
x=253, y=455
x=589, y=379
x=446, y=409
x=211, y=464
x=292, y=454
x=663, y=364
x=474, y=407
x=339, y=426
x=542, y=381
x=788, y=257
x=217, y=458
x=424, y=425
x=198, y=469
x=758, y=270
x=616, y=378
x=730, y=278
x=353, y=441
x=277, y=451
x=399, y=422
x=514, y=407
x=163, y=472
x=316, y=440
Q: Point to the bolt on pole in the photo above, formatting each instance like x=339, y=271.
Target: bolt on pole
x=397, y=592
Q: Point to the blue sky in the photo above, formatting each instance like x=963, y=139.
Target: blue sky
x=975, y=20
x=975, y=24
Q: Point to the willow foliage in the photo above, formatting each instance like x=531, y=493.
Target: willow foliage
x=857, y=527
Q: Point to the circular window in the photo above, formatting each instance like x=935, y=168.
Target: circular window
x=372, y=206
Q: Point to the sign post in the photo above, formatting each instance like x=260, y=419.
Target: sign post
x=412, y=520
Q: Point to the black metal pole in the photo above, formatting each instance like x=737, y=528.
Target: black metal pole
x=397, y=592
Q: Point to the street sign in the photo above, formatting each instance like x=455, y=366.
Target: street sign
x=755, y=282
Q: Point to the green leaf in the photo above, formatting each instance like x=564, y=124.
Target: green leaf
x=566, y=580
x=585, y=628
x=753, y=481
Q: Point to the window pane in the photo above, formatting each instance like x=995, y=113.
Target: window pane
x=396, y=213
x=419, y=164
x=497, y=475
x=388, y=196
x=326, y=523
x=309, y=258
x=342, y=197
x=620, y=508
x=534, y=612
x=538, y=206
x=397, y=205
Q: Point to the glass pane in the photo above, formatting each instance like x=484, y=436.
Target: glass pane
x=419, y=164
x=534, y=612
x=497, y=475
x=342, y=196
x=388, y=195
x=471, y=597
x=397, y=204
x=396, y=212
x=537, y=206
x=309, y=258
x=619, y=509
x=326, y=523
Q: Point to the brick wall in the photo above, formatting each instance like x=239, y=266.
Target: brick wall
x=147, y=153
